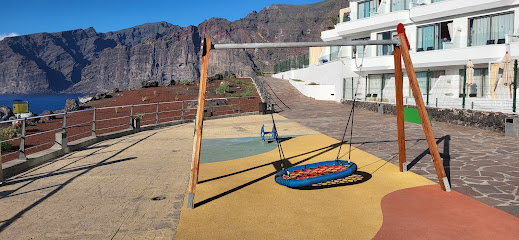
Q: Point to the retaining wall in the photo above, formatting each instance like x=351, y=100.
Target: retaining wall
x=485, y=120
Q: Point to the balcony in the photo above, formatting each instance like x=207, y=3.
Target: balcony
x=454, y=7
x=442, y=58
x=330, y=35
x=365, y=26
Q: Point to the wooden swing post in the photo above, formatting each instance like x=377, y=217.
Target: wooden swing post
x=197, y=143
x=426, y=125
x=399, y=82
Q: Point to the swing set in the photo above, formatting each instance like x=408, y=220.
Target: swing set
x=308, y=174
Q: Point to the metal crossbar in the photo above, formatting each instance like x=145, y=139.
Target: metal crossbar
x=304, y=44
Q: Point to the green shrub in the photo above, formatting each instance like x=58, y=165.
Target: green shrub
x=5, y=146
x=223, y=88
x=8, y=133
x=184, y=82
x=247, y=94
x=250, y=87
x=234, y=95
x=239, y=82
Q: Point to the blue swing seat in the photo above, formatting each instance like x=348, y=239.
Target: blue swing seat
x=266, y=136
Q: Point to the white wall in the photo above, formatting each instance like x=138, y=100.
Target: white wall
x=323, y=74
x=328, y=74
x=319, y=92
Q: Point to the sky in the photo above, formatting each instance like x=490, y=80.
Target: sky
x=21, y=17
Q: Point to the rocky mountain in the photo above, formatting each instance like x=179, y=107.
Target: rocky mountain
x=86, y=61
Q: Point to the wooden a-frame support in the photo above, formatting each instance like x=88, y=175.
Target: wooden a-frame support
x=401, y=52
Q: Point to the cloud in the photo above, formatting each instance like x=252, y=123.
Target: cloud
x=4, y=35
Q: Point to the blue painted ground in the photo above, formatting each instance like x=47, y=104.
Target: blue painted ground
x=224, y=149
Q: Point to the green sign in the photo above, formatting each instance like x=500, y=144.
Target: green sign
x=411, y=115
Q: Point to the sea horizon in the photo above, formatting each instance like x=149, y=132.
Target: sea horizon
x=41, y=101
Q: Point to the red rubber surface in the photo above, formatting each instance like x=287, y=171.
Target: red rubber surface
x=314, y=171
x=427, y=212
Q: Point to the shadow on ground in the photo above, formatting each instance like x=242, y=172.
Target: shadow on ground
x=84, y=169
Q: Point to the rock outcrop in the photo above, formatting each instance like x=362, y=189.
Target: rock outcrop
x=149, y=84
x=71, y=105
x=85, y=61
x=5, y=113
x=46, y=118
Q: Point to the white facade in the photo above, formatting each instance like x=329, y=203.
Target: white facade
x=443, y=36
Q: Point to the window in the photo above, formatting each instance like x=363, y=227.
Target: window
x=334, y=52
x=437, y=1
x=366, y=8
x=346, y=17
x=377, y=83
x=422, y=80
x=383, y=50
x=433, y=37
x=388, y=76
x=374, y=85
x=397, y=5
x=490, y=29
x=359, y=51
x=481, y=85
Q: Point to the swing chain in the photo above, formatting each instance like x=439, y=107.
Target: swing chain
x=352, y=111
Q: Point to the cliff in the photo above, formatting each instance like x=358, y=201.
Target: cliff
x=86, y=61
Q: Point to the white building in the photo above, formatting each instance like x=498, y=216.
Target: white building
x=443, y=34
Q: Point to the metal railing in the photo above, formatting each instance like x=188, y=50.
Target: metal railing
x=262, y=90
x=295, y=62
x=32, y=136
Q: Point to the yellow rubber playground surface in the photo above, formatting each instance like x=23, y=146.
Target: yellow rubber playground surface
x=237, y=197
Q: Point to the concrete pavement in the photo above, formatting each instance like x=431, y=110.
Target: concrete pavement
x=126, y=188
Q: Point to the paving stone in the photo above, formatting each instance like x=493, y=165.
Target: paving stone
x=497, y=183
x=468, y=191
x=502, y=196
x=474, y=180
x=514, y=210
x=491, y=201
x=507, y=188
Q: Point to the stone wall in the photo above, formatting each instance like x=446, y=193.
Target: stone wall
x=485, y=120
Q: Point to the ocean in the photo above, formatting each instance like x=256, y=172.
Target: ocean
x=39, y=102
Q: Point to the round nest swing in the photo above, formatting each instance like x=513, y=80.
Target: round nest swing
x=320, y=172
x=309, y=174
